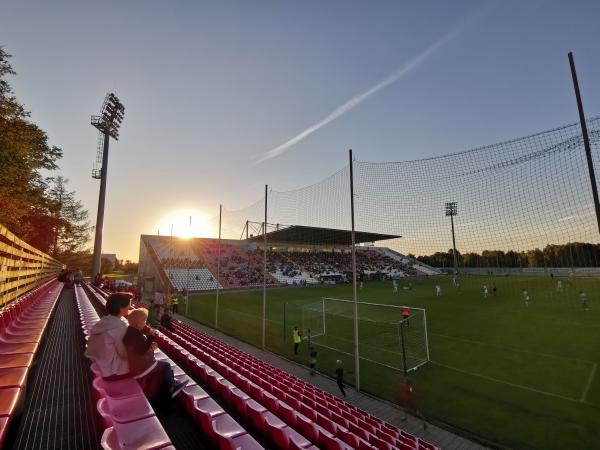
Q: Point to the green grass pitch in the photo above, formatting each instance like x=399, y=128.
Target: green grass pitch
x=523, y=377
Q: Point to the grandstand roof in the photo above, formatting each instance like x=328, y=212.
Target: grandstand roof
x=298, y=234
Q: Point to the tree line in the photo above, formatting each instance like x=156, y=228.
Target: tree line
x=35, y=201
x=572, y=254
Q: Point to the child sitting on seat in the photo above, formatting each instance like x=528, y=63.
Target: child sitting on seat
x=155, y=377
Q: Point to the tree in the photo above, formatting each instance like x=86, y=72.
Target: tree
x=24, y=153
x=71, y=227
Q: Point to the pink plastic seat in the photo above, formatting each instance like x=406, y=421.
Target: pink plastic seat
x=125, y=410
x=256, y=412
x=145, y=434
x=243, y=441
x=287, y=414
x=239, y=399
x=425, y=445
x=226, y=428
x=206, y=410
x=127, y=387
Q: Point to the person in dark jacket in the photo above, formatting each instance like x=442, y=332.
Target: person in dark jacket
x=155, y=377
x=166, y=321
x=339, y=373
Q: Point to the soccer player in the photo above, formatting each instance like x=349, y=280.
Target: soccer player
x=361, y=285
x=559, y=286
x=485, y=291
x=583, y=298
x=525, y=295
x=438, y=290
x=494, y=288
x=405, y=315
x=395, y=285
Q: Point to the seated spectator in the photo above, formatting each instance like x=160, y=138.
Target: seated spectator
x=154, y=317
x=166, y=321
x=154, y=377
x=105, y=345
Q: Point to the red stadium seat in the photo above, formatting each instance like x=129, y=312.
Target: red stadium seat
x=8, y=400
x=239, y=399
x=125, y=410
x=256, y=413
x=243, y=441
x=3, y=429
x=146, y=434
x=13, y=377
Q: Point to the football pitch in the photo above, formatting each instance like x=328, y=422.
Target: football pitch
x=522, y=377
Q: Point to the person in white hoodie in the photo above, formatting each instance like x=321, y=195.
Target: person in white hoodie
x=105, y=345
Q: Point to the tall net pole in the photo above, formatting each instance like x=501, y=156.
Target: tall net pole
x=218, y=269
x=586, y=139
x=96, y=266
x=264, y=302
x=354, y=291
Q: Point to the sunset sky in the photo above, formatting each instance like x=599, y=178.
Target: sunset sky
x=224, y=97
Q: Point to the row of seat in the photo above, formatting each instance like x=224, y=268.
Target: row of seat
x=128, y=418
x=289, y=428
x=222, y=430
x=22, y=326
x=297, y=400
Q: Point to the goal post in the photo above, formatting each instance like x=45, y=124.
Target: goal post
x=386, y=338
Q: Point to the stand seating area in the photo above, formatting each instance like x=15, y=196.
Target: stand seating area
x=22, y=326
x=129, y=418
x=292, y=414
x=233, y=400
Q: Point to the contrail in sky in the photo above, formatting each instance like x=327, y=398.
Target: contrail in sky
x=358, y=99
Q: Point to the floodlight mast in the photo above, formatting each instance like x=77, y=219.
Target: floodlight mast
x=108, y=124
x=452, y=210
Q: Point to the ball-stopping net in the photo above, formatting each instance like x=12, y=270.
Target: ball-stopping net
x=386, y=337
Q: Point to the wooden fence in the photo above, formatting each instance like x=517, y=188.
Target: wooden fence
x=22, y=267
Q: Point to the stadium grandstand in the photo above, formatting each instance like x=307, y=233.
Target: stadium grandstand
x=52, y=397
x=295, y=255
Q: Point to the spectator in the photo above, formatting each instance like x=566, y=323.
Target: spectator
x=175, y=303
x=105, y=345
x=159, y=298
x=407, y=400
x=297, y=338
x=154, y=317
x=312, y=361
x=78, y=276
x=339, y=373
x=166, y=321
x=155, y=377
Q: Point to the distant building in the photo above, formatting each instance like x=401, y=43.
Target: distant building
x=111, y=258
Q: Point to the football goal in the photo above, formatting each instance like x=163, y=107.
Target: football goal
x=385, y=336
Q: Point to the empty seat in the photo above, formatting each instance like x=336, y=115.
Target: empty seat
x=145, y=434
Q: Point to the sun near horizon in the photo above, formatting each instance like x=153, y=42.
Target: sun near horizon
x=186, y=224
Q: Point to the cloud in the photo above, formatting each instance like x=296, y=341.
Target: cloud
x=361, y=97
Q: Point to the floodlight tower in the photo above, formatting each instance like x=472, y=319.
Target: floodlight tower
x=107, y=123
x=452, y=210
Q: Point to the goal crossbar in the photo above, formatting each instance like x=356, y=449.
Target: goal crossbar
x=318, y=314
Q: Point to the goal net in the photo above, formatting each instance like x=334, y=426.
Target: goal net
x=385, y=337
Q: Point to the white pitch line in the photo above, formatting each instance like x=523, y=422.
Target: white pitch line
x=588, y=384
x=518, y=386
x=512, y=349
